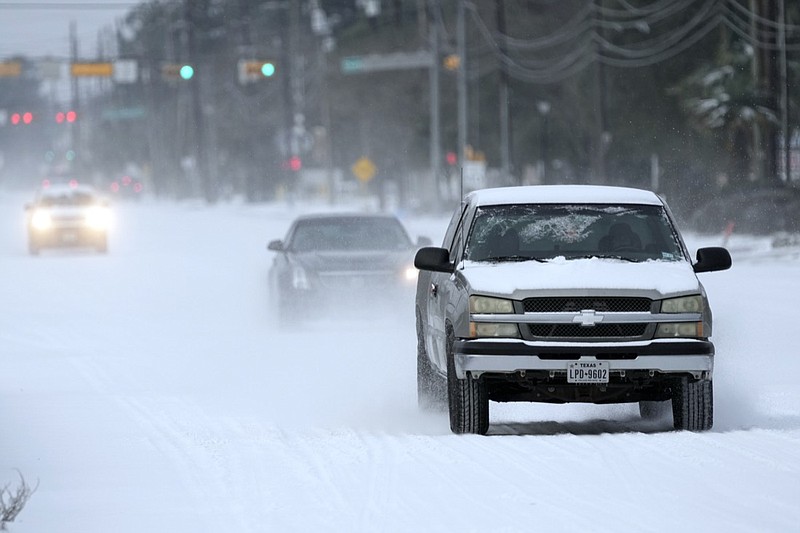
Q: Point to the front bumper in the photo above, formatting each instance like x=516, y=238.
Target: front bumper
x=67, y=236
x=478, y=357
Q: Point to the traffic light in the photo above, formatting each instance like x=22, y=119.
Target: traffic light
x=250, y=71
x=294, y=163
x=21, y=118
x=452, y=62
x=68, y=116
x=177, y=71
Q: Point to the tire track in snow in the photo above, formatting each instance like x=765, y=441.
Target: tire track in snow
x=160, y=420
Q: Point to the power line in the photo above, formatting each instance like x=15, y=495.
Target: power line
x=580, y=41
x=67, y=6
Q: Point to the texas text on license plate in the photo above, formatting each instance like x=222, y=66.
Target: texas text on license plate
x=587, y=372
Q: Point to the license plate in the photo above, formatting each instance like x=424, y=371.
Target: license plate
x=587, y=372
x=69, y=237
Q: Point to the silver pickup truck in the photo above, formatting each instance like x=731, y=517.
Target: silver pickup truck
x=559, y=294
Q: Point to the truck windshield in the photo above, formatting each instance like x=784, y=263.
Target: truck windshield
x=546, y=231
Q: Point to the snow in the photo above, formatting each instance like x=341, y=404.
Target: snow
x=579, y=194
x=147, y=390
x=666, y=277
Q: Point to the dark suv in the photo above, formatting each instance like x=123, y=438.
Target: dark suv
x=564, y=294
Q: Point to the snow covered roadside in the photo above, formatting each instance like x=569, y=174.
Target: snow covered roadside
x=146, y=390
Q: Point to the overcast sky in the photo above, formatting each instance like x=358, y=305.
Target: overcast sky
x=38, y=29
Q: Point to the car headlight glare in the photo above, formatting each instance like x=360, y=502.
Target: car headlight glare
x=486, y=304
x=300, y=279
x=41, y=219
x=492, y=329
x=97, y=218
x=685, y=304
x=409, y=274
x=679, y=329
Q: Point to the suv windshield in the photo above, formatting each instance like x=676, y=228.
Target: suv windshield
x=541, y=232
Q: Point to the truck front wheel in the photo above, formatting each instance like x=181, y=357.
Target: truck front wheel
x=468, y=399
x=693, y=405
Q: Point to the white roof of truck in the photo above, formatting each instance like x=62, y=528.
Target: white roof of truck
x=564, y=194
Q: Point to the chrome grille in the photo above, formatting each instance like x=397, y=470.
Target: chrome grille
x=599, y=331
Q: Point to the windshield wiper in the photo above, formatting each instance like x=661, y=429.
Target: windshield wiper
x=604, y=256
x=513, y=258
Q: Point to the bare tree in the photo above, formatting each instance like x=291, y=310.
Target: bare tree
x=12, y=501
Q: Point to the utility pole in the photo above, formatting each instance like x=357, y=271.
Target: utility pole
x=77, y=168
x=602, y=137
x=436, y=142
x=505, y=116
x=208, y=188
x=461, y=38
x=784, y=98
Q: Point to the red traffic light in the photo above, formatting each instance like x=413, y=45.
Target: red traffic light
x=451, y=158
x=21, y=118
x=69, y=116
x=294, y=163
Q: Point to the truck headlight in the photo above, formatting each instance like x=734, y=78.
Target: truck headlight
x=679, y=329
x=685, y=304
x=492, y=329
x=486, y=304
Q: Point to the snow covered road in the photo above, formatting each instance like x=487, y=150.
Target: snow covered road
x=147, y=390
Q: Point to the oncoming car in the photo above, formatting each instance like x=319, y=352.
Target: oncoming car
x=333, y=261
x=69, y=215
x=565, y=294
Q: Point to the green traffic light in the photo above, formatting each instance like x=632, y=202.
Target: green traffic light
x=267, y=69
x=186, y=72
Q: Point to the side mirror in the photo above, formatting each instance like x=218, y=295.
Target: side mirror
x=424, y=241
x=433, y=258
x=712, y=259
x=275, y=246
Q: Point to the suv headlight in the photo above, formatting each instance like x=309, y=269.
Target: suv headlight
x=685, y=304
x=489, y=305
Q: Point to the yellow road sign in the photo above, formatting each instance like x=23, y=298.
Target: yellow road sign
x=92, y=69
x=364, y=169
x=11, y=69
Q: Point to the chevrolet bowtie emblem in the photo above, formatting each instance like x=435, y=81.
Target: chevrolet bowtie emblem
x=588, y=318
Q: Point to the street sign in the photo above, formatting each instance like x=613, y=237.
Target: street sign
x=382, y=62
x=102, y=70
x=10, y=69
x=364, y=169
x=124, y=113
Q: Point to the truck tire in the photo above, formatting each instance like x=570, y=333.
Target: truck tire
x=693, y=405
x=468, y=399
x=431, y=388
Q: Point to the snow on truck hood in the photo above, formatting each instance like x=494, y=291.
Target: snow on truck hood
x=666, y=277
